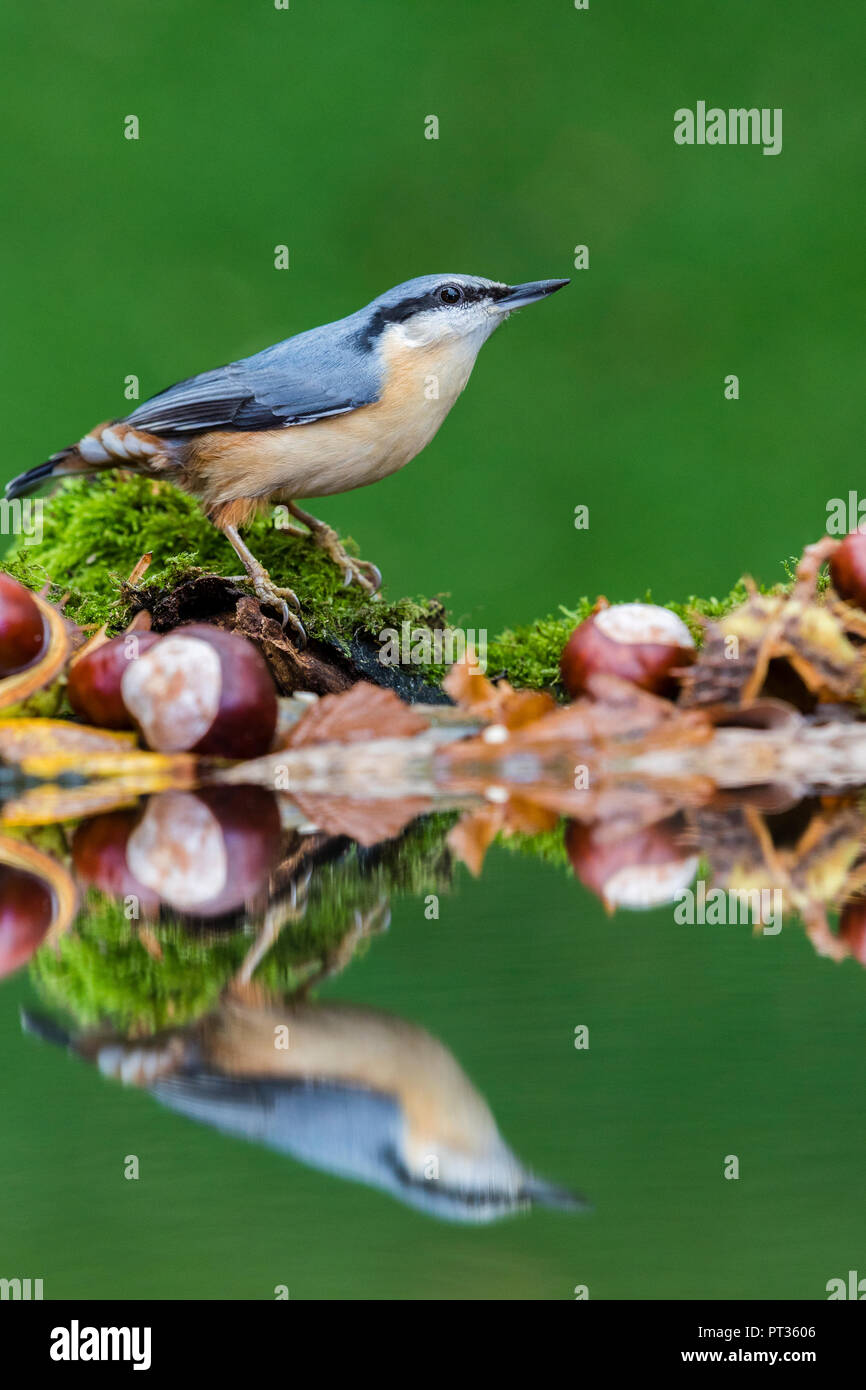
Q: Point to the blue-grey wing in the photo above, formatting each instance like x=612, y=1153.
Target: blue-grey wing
x=349, y=1132
x=304, y=379
x=340, y=1129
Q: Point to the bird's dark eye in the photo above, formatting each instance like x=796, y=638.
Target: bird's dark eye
x=451, y=294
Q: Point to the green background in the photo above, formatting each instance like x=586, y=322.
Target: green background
x=306, y=127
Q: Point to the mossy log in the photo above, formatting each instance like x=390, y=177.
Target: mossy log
x=95, y=531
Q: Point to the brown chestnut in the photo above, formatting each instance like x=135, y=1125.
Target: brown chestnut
x=200, y=689
x=93, y=683
x=206, y=852
x=26, y=909
x=23, y=635
x=848, y=568
x=852, y=928
x=639, y=869
x=638, y=642
x=99, y=856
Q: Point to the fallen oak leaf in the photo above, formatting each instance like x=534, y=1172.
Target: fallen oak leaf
x=527, y=815
x=367, y=822
x=49, y=748
x=496, y=704
x=50, y=804
x=21, y=739
x=472, y=836
x=470, y=839
x=359, y=715
x=616, y=718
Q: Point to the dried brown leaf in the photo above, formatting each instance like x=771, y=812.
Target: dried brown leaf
x=368, y=822
x=23, y=739
x=359, y=715
x=497, y=704
x=474, y=833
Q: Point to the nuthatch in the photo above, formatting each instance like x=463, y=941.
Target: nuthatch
x=356, y=1093
x=329, y=410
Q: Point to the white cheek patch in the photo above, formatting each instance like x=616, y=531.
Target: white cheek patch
x=173, y=692
x=178, y=850
x=461, y=333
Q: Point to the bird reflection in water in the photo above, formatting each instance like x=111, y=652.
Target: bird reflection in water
x=349, y=1090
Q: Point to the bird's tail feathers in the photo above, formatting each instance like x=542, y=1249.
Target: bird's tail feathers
x=58, y=466
x=548, y=1194
x=114, y=444
x=45, y=1028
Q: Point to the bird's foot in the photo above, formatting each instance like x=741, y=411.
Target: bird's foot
x=266, y=590
x=263, y=578
x=360, y=572
x=375, y=920
x=278, y=597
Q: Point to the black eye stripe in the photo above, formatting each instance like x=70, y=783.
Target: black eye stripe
x=469, y=294
x=399, y=313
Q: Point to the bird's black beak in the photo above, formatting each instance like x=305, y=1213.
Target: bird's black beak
x=518, y=296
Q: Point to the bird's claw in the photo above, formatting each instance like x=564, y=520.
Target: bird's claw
x=266, y=591
x=374, y=575
x=363, y=573
x=276, y=597
x=293, y=621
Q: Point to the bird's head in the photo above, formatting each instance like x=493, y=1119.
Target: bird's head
x=440, y=308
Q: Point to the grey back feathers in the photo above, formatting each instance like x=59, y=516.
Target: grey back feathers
x=352, y=1133
x=347, y=1130
x=326, y=371
x=293, y=383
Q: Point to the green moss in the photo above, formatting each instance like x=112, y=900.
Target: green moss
x=101, y=972
x=95, y=530
x=530, y=655
x=547, y=845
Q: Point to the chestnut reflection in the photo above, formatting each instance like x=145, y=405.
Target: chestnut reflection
x=633, y=868
x=26, y=910
x=205, y=852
